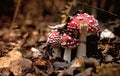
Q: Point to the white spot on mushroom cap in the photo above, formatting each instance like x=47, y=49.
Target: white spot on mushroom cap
x=73, y=22
x=80, y=18
x=90, y=20
x=88, y=16
x=78, y=14
x=63, y=43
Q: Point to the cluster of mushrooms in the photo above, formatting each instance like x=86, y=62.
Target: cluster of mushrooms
x=72, y=34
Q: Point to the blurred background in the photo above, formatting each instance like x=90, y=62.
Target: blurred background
x=41, y=13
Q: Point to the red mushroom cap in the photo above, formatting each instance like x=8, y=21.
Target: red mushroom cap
x=75, y=22
x=54, y=37
x=90, y=20
x=68, y=41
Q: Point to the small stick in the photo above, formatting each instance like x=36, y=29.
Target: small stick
x=85, y=4
x=16, y=12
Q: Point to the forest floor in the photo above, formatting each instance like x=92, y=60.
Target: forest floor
x=22, y=54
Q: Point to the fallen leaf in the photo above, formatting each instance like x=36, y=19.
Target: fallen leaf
x=4, y=62
x=19, y=66
x=78, y=62
x=14, y=54
x=16, y=68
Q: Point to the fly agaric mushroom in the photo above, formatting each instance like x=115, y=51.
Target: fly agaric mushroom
x=54, y=41
x=68, y=42
x=85, y=24
x=88, y=24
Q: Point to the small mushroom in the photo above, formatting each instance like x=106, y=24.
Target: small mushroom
x=54, y=41
x=68, y=42
x=106, y=33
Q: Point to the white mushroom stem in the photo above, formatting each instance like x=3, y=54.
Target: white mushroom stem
x=81, y=50
x=67, y=54
x=56, y=52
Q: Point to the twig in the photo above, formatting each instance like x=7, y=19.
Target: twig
x=16, y=12
x=85, y=4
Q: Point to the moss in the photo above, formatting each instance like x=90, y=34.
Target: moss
x=108, y=70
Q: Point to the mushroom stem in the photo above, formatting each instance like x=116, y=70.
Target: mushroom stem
x=67, y=54
x=56, y=52
x=81, y=50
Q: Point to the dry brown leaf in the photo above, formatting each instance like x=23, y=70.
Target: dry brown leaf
x=19, y=66
x=26, y=64
x=42, y=38
x=14, y=54
x=41, y=63
x=16, y=68
x=5, y=71
x=4, y=62
x=78, y=62
x=29, y=74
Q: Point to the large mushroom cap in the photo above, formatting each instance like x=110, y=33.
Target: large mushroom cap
x=68, y=41
x=54, y=37
x=75, y=22
x=90, y=20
